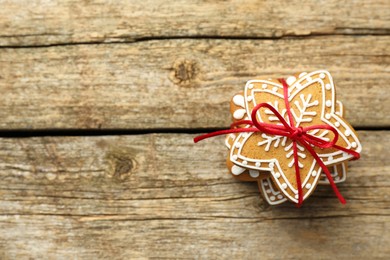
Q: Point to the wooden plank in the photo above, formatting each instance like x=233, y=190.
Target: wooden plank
x=160, y=195
x=70, y=21
x=179, y=83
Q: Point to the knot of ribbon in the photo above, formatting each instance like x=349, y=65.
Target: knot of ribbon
x=296, y=134
x=298, y=131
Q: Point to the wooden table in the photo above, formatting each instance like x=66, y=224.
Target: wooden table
x=100, y=102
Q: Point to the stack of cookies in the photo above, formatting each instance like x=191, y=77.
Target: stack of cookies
x=268, y=159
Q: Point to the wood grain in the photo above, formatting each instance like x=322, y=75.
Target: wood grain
x=179, y=83
x=157, y=65
x=81, y=21
x=159, y=195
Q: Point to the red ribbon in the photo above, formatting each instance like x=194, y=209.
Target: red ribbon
x=296, y=134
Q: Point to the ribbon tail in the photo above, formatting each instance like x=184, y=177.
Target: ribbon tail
x=355, y=155
x=298, y=175
x=327, y=173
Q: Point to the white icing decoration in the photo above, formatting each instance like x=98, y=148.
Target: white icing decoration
x=296, y=196
x=321, y=135
x=268, y=141
x=304, y=116
x=284, y=186
x=273, y=197
x=302, y=74
x=337, y=124
x=328, y=103
x=249, y=98
x=271, y=115
x=300, y=165
x=313, y=173
x=239, y=113
x=308, y=186
x=330, y=158
x=235, y=157
x=347, y=133
x=354, y=144
x=327, y=116
x=238, y=145
x=328, y=87
x=237, y=170
x=291, y=145
x=277, y=175
x=340, y=106
x=254, y=173
x=258, y=164
x=238, y=100
x=335, y=174
x=322, y=75
x=227, y=140
x=288, y=155
x=275, y=89
x=264, y=86
x=302, y=155
x=290, y=80
x=244, y=162
x=250, y=86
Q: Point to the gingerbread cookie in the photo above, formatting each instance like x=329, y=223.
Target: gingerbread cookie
x=291, y=131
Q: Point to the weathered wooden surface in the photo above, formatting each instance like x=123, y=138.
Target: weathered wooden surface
x=148, y=196
x=37, y=22
x=179, y=83
x=155, y=66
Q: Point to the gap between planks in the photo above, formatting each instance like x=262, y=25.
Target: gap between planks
x=20, y=133
x=382, y=32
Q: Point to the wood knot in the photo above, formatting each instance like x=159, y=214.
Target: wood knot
x=184, y=72
x=122, y=168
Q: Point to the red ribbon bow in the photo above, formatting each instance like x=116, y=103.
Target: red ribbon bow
x=296, y=134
